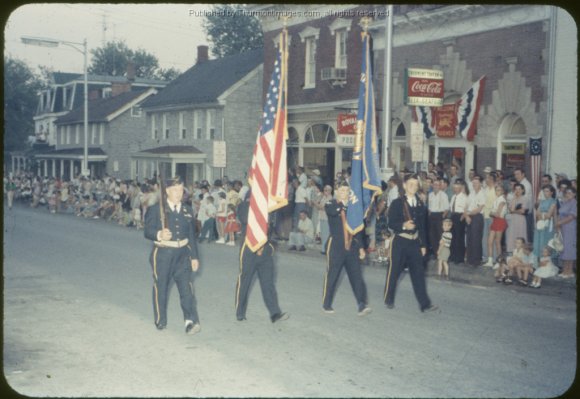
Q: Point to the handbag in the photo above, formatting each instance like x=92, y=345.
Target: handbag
x=542, y=224
x=556, y=243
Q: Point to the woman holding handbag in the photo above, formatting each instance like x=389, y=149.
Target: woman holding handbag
x=567, y=226
x=544, y=216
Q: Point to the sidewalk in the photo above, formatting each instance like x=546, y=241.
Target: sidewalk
x=460, y=274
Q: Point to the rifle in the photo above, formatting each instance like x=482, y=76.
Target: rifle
x=162, y=198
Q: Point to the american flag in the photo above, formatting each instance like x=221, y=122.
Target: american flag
x=268, y=174
x=535, y=164
x=468, y=109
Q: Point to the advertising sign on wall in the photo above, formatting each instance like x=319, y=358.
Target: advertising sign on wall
x=424, y=87
x=445, y=120
x=346, y=124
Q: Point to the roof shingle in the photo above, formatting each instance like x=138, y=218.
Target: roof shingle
x=100, y=109
x=205, y=82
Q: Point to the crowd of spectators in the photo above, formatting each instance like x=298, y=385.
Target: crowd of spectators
x=492, y=219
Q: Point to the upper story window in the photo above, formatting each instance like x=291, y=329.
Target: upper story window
x=197, y=124
x=102, y=134
x=309, y=37
x=136, y=111
x=165, y=128
x=210, y=124
x=95, y=138
x=182, y=129
x=340, y=28
x=154, y=131
x=340, y=58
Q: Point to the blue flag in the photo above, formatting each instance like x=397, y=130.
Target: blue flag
x=365, y=182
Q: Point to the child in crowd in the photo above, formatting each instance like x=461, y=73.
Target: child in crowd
x=232, y=226
x=501, y=274
x=514, y=260
x=527, y=265
x=221, y=216
x=383, y=250
x=521, y=262
x=545, y=270
x=444, y=251
x=136, y=216
x=208, y=227
x=52, y=201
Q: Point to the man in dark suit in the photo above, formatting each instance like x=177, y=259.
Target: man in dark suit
x=170, y=224
x=407, y=219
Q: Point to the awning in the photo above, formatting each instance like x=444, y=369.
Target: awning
x=94, y=154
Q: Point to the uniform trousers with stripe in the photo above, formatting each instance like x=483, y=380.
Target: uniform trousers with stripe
x=338, y=258
x=172, y=264
x=250, y=264
x=406, y=253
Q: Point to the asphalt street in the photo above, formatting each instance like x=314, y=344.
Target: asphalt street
x=78, y=321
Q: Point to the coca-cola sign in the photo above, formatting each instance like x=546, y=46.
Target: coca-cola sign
x=346, y=123
x=424, y=87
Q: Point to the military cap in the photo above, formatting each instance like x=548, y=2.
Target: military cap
x=173, y=181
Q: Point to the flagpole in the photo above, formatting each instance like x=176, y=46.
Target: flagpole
x=386, y=170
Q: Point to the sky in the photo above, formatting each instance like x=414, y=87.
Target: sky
x=171, y=32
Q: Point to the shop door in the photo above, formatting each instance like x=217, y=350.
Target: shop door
x=321, y=159
x=450, y=156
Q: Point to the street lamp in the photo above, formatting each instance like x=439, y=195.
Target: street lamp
x=46, y=42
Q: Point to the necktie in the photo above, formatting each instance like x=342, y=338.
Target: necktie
x=175, y=208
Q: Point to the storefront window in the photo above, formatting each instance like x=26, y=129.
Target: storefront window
x=401, y=131
x=320, y=133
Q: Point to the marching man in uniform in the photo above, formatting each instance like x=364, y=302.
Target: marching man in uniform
x=407, y=219
x=343, y=250
x=170, y=224
x=262, y=262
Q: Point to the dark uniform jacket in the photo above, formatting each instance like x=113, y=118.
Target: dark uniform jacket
x=181, y=225
x=418, y=214
x=333, y=209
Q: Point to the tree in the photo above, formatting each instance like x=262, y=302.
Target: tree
x=113, y=57
x=21, y=87
x=167, y=74
x=231, y=30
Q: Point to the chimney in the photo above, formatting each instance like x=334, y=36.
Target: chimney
x=131, y=71
x=202, y=54
x=123, y=87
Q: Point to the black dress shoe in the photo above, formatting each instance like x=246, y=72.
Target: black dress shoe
x=302, y=248
x=160, y=326
x=280, y=317
x=390, y=305
x=430, y=308
x=292, y=248
x=241, y=318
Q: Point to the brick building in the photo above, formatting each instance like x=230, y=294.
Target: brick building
x=528, y=54
x=214, y=102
